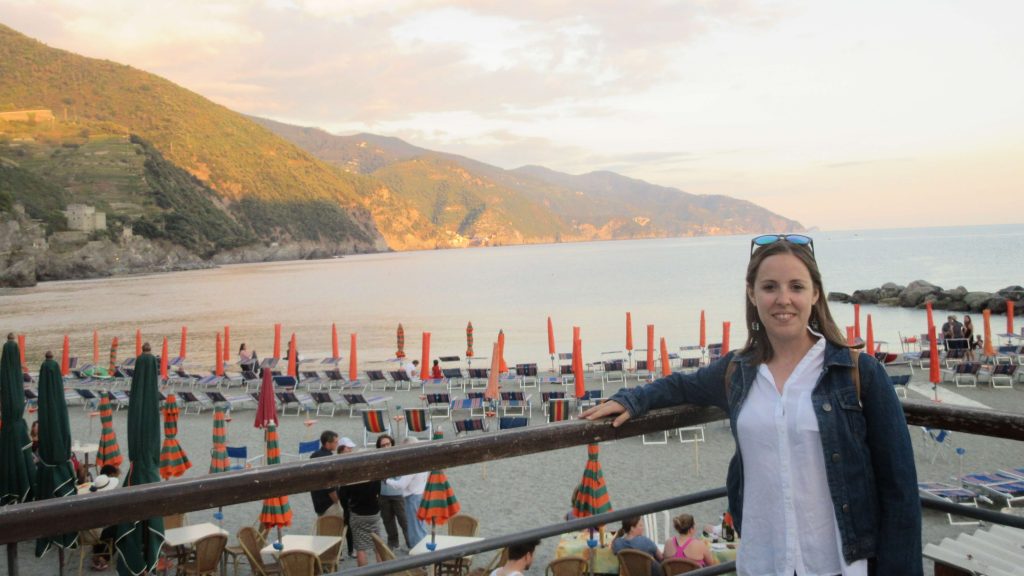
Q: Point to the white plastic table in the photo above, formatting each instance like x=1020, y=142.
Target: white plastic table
x=189, y=535
x=315, y=544
x=443, y=541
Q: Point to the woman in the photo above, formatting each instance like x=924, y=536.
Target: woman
x=969, y=334
x=685, y=545
x=824, y=443
x=435, y=371
x=392, y=505
x=631, y=537
x=244, y=356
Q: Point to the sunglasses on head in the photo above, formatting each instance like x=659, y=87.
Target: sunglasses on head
x=768, y=239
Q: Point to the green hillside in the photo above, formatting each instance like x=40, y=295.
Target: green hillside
x=265, y=183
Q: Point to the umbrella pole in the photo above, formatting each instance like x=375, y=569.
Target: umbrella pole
x=60, y=560
x=12, y=558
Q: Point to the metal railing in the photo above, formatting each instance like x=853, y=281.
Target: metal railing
x=32, y=520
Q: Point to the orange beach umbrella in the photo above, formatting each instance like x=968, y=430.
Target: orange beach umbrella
x=227, y=344
x=933, y=360
x=666, y=369
x=928, y=313
x=425, y=358
x=551, y=338
x=725, y=337
x=218, y=367
x=266, y=406
x=21, y=350
x=503, y=368
x=138, y=343
x=650, y=348
x=849, y=335
x=65, y=357
x=293, y=357
x=871, y=337
x=95, y=348
x=491, y=393
x=856, y=320
x=335, y=353
x=400, y=337
x=277, y=340
x=989, y=349
x=579, y=376
x=353, y=365
x=163, y=361
x=629, y=332
x=703, y=331
x=184, y=342
x=1009, y=317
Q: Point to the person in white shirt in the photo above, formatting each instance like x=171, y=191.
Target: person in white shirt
x=520, y=558
x=411, y=487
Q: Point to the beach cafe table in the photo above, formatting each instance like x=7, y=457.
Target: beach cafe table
x=318, y=545
x=85, y=450
x=575, y=544
x=189, y=535
x=443, y=541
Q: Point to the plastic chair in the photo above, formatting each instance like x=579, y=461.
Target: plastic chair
x=568, y=566
x=673, y=566
x=299, y=563
x=635, y=563
x=209, y=549
x=240, y=459
x=250, y=540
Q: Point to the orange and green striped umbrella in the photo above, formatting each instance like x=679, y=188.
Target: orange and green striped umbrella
x=108, y=452
x=439, y=502
x=400, y=336
x=113, y=356
x=276, y=511
x=173, y=461
x=469, y=340
x=591, y=496
x=219, y=461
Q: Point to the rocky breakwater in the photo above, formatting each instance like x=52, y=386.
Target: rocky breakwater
x=919, y=292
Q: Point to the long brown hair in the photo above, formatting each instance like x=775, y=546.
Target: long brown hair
x=759, y=350
x=627, y=525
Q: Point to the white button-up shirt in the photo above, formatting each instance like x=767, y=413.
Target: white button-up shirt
x=789, y=524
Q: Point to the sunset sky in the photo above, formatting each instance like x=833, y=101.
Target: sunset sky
x=838, y=114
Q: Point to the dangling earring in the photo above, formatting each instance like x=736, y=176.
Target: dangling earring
x=814, y=324
x=755, y=326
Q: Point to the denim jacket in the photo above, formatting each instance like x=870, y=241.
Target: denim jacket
x=869, y=459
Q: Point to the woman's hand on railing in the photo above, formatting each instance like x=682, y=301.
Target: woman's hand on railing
x=606, y=409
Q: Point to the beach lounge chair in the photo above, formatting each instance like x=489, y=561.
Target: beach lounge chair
x=635, y=563
x=357, y=401
x=614, y=374
x=1007, y=353
x=516, y=403
x=417, y=421
x=954, y=356
x=473, y=405
x=470, y=425
x=377, y=378
x=323, y=400
x=527, y=375
x=376, y=421
x=1003, y=375
x=964, y=375
x=455, y=378
x=439, y=404
x=336, y=378
x=642, y=372
x=231, y=401
x=589, y=398
x=90, y=399
x=900, y=383
x=1002, y=485
x=306, y=447
x=559, y=409
x=566, y=374
x=210, y=381
x=508, y=422
x=936, y=442
x=31, y=397
x=119, y=399
x=949, y=493
x=283, y=381
x=478, y=377
x=240, y=459
x=311, y=378
x=190, y=400
x=401, y=380
x=689, y=364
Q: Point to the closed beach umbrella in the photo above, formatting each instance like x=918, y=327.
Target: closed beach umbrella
x=666, y=367
x=400, y=341
x=227, y=343
x=173, y=460
x=491, y=393
x=138, y=342
x=501, y=352
x=139, y=542
x=577, y=366
x=219, y=461
x=54, y=471
x=266, y=408
x=989, y=349
x=551, y=338
x=856, y=320
x=849, y=335
x=95, y=348
x=108, y=452
x=1009, y=317
x=17, y=471
x=933, y=359
x=703, y=331
x=293, y=357
x=276, y=511
x=163, y=361
x=353, y=364
x=439, y=503
x=629, y=333
x=335, y=353
x=113, y=357
x=725, y=337
x=21, y=355
x=65, y=357
x=425, y=358
x=469, y=340
x=650, y=348
x=277, y=340
x=184, y=342
x=871, y=337
x=928, y=314
x=591, y=495
x=218, y=366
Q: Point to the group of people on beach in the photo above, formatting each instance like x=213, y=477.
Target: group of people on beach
x=961, y=335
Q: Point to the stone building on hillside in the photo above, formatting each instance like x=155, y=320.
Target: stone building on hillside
x=85, y=218
x=39, y=115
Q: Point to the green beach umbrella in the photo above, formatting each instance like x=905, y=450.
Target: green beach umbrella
x=591, y=495
x=54, y=471
x=17, y=471
x=138, y=542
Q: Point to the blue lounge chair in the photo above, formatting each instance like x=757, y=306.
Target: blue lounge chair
x=357, y=401
x=508, y=422
x=470, y=425
x=240, y=459
x=323, y=400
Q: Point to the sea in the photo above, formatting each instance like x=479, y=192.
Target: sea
x=515, y=289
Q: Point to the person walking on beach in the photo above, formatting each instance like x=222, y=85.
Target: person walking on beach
x=823, y=478
x=326, y=498
x=969, y=335
x=392, y=505
x=520, y=558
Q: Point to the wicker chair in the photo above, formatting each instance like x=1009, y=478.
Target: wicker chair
x=89, y=538
x=568, y=566
x=463, y=525
x=234, y=552
x=209, y=549
x=386, y=555
x=673, y=566
x=635, y=563
x=251, y=543
x=299, y=563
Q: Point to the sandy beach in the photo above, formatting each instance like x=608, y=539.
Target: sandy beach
x=525, y=492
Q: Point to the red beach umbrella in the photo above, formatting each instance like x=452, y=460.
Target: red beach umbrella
x=933, y=361
x=551, y=338
x=871, y=337
x=629, y=332
x=666, y=369
x=725, y=337
x=989, y=349
x=108, y=452
x=21, y=350
x=184, y=341
x=491, y=393
x=138, y=343
x=113, y=356
x=95, y=348
x=703, y=331
x=928, y=313
x=469, y=340
x=577, y=363
x=335, y=353
x=227, y=344
x=277, y=340
x=400, y=338
x=266, y=409
x=219, y=461
x=163, y=361
x=353, y=364
x=173, y=460
x=849, y=335
x=501, y=352
x=65, y=357
x=276, y=511
x=425, y=358
x=1009, y=317
x=650, y=348
x=218, y=368
x=293, y=357
x=856, y=320
x=439, y=503
x=591, y=495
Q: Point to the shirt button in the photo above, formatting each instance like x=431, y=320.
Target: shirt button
x=826, y=407
x=846, y=508
x=835, y=456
